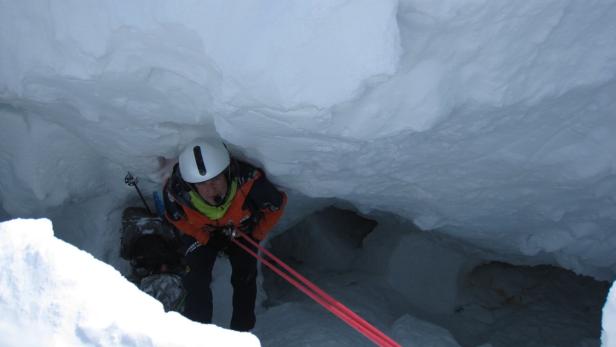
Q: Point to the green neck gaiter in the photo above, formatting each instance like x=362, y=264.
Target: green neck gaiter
x=213, y=212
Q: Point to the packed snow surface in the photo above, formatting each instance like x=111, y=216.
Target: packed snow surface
x=608, y=334
x=53, y=294
x=490, y=121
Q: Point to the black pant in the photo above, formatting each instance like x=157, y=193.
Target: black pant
x=200, y=261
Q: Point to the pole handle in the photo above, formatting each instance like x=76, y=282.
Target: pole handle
x=133, y=181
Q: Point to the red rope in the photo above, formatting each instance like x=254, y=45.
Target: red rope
x=321, y=293
x=318, y=295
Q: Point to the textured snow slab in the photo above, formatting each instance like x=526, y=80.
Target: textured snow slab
x=427, y=273
x=301, y=324
x=52, y=294
x=608, y=334
x=410, y=331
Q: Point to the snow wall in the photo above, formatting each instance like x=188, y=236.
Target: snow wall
x=608, y=332
x=490, y=121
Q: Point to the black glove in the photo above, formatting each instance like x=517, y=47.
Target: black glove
x=230, y=232
x=248, y=225
x=219, y=239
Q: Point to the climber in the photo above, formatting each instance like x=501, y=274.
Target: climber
x=208, y=197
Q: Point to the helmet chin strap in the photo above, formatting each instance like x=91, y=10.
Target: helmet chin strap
x=218, y=200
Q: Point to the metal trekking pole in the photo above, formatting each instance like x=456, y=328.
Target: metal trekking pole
x=132, y=181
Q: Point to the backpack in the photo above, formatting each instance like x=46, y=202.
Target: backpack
x=154, y=250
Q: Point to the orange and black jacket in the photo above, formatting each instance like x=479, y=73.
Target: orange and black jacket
x=255, y=209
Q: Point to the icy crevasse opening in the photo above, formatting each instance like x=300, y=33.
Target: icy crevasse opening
x=390, y=268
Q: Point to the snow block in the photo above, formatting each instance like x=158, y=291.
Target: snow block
x=608, y=326
x=427, y=272
x=337, y=235
x=53, y=294
x=410, y=331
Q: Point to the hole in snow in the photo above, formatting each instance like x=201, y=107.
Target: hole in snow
x=509, y=305
x=326, y=241
x=390, y=270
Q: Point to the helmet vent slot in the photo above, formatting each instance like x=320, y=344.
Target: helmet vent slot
x=199, y=160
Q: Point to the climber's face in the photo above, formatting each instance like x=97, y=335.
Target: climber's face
x=213, y=191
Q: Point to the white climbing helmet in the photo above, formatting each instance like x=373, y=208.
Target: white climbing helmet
x=203, y=160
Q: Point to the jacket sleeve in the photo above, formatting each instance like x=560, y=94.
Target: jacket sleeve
x=269, y=204
x=186, y=228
